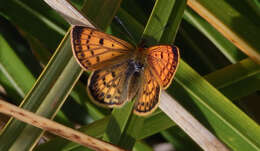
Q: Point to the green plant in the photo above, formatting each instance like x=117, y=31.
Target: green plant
x=228, y=74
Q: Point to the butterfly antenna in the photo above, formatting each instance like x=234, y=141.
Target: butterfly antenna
x=125, y=29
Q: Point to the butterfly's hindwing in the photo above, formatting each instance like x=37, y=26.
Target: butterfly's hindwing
x=109, y=87
x=147, y=99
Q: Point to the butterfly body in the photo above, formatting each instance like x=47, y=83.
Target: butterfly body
x=121, y=71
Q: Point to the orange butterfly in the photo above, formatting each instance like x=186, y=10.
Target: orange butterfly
x=122, y=71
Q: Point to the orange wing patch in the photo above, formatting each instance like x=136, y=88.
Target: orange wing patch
x=95, y=50
x=148, y=96
x=163, y=61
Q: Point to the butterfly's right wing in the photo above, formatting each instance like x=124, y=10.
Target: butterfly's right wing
x=109, y=87
x=163, y=61
x=95, y=50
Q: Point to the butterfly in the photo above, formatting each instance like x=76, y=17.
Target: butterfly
x=122, y=71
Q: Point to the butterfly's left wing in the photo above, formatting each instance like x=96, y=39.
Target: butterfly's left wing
x=95, y=50
x=147, y=99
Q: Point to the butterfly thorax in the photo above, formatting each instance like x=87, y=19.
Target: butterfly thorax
x=140, y=55
x=135, y=66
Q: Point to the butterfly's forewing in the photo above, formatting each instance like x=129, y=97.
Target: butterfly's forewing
x=147, y=99
x=95, y=50
x=163, y=60
x=108, y=87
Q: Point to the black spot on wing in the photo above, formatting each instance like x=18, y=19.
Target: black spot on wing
x=101, y=41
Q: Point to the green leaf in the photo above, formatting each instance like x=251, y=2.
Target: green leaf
x=157, y=22
x=11, y=66
x=140, y=146
x=232, y=80
x=225, y=16
x=174, y=21
x=50, y=33
x=60, y=74
x=117, y=123
x=179, y=139
x=101, y=12
x=155, y=123
x=215, y=110
x=225, y=46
